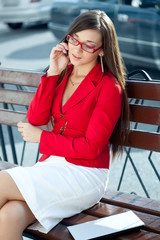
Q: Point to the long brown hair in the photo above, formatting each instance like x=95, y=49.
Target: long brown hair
x=112, y=61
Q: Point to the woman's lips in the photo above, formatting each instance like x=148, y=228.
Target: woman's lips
x=75, y=57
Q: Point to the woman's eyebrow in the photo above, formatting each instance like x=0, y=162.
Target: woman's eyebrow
x=91, y=41
x=86, y=40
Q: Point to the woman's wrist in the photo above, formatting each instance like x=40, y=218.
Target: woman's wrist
x=50, y=73
x=39, y=135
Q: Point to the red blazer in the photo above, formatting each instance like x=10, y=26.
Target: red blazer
x=83, y=126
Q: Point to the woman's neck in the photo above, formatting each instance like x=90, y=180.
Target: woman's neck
x=82, y=70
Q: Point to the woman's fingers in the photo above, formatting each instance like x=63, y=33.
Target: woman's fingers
x=20, y=130
x=61, y=47
x=20, y=126
x=58, y=59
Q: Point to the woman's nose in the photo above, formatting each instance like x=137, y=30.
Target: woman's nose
x=78, y=48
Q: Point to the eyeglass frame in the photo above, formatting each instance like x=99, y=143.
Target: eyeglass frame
x=79, y=43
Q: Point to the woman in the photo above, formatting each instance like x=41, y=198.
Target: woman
x=84, y=91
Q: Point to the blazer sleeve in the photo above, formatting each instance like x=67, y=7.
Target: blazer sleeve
x=40, y=107
x=102, y=122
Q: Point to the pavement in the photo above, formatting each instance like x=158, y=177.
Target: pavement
x=27, y=48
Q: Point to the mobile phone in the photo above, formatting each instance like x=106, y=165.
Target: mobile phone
x=66, y=54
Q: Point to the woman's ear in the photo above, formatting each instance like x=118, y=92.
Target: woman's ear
x=101, y=54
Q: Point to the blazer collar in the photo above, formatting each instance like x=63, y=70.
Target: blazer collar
x=88, y=84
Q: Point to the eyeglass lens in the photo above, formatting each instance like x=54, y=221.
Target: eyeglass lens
x=83, y=46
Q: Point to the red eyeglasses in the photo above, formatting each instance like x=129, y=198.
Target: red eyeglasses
x=84, y=46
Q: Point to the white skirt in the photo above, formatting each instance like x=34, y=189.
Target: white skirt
x=55, y=189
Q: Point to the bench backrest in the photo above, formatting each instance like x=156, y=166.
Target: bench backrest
x=144, y=104
x=145, y=108
x=15, y=90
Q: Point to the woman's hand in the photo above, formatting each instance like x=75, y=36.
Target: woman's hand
x=29, y=132
x=58, y=59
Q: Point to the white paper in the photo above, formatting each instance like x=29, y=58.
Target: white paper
x=104, y=226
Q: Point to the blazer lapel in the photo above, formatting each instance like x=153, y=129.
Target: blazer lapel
x=60, y=91
x=81, y=92
x=87, y=85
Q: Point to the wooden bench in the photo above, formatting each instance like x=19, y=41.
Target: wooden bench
x=144, y=96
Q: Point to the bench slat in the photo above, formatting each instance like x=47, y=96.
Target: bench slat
x=78, y=218
x=16, y=97
x=59, y=232
x=140, y=113
x=149, y=90
x=146, y=205
x=11, y=118
x=139, y=235
x=20, y=78
x=135, y=207
x=144, y=140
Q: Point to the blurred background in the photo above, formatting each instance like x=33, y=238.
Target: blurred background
x=30, y=28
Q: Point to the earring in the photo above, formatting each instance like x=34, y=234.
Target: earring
x=101, y=63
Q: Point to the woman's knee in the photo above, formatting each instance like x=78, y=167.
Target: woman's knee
x=8, y=188
x=10, y=213
x=16, y=215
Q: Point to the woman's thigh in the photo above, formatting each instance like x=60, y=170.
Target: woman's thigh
x=8, y=189
x=14, y=211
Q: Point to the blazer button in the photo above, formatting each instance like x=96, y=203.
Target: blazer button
x=62, y=116
x=62, y=128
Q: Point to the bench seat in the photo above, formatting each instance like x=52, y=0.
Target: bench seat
x=141, y=94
